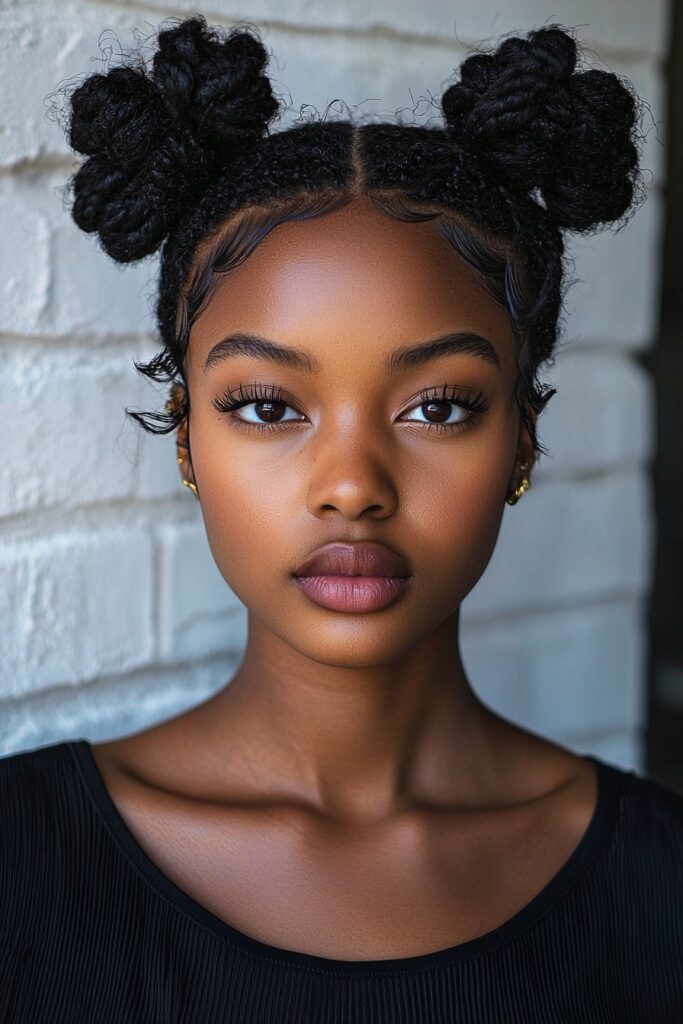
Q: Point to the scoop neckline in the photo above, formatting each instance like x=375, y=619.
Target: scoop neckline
x=594, y=835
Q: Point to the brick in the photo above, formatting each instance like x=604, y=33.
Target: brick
x=378, y=78
x=59, y=282
x=45, y=46
x=110, y=707
x=119, y=300
x=199, y=613
x=615, y=299
x=25, y=259
x=73, y=446
x=14, y=616
x=624, y=25
x=601, y=418
x=563, y=673
x=89, y=608
x=573, y=540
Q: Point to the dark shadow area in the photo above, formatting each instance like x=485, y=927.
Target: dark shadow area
x=664, y=751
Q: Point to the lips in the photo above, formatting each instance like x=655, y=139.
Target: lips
x=354, y=576
x=366, y=558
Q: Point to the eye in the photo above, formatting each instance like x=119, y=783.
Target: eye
x=270, y=411
x=442, y=411
x=450, y=408
x=262, y=407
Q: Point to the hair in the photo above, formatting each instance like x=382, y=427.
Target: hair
x=181, y=156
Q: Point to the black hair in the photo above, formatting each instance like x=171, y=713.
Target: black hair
x=181, y=154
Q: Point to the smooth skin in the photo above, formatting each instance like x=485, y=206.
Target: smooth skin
x=346, y=794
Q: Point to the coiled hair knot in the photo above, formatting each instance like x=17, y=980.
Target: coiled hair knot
x=539, y=126
x=154, y=141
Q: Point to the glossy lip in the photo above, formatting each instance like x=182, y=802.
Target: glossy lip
x=353, y=576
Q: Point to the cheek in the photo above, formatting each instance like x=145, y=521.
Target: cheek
x=454, y=511
x=246, y=503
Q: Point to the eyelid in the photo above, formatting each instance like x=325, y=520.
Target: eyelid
x=455, y=393
x=246, y=394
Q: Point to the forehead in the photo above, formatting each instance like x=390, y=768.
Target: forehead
x=348, y=279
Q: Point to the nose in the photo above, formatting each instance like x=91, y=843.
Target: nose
x=349, y=477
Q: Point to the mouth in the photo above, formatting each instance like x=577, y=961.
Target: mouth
x=353, y=577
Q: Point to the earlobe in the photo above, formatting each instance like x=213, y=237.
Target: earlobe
x=176, y=403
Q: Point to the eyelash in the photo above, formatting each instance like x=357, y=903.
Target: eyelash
x=231, y=400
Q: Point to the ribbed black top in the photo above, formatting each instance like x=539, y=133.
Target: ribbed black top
x=92, y=932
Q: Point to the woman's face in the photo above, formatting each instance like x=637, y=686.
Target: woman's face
x=343, y=444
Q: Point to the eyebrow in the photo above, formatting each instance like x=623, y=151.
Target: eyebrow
x=453, y=343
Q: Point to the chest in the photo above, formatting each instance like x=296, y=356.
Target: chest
x=407, y=888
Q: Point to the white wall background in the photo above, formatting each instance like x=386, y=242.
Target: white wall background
x=113, y=615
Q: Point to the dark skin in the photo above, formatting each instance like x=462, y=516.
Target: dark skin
x=346, y=794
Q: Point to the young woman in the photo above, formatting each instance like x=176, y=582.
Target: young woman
x=353, y=320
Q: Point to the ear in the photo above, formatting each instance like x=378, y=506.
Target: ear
x=182, y=449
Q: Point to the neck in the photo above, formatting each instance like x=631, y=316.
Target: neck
x=356, y=743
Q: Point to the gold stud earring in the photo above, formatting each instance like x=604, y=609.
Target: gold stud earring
x=188, y=483
x=523, y=486
x=174, y=404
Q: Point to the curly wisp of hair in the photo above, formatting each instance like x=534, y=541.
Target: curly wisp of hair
x=181, y=156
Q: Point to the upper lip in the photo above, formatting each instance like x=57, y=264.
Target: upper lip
x=353, y=558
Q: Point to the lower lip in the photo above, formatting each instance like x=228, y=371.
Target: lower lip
x=353, y=593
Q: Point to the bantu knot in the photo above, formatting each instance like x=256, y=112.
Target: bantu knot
x=155, y=138
x=540, y=126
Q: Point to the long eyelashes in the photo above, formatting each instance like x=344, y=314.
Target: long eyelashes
x=273, y=396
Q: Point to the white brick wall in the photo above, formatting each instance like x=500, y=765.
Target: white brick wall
x=113, y=614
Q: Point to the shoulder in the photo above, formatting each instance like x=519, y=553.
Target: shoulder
x=644, y=802
x=39, y=796
x=46, y=824
x=646, y=840
x=22, y=773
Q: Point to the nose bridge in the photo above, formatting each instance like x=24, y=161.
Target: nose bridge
x=351, y=464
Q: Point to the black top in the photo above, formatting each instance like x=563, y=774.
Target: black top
x=92, y=932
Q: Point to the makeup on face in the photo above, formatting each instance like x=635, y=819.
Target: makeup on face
x=349, y=574
x=353, y=576
x=352, y=402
